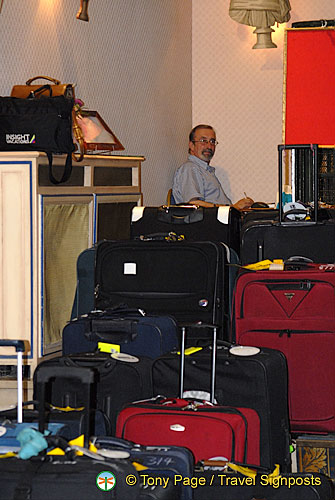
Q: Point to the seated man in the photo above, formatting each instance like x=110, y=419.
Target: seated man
x=195, y=181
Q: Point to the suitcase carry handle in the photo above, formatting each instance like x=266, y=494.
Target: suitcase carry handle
x=182, y=357
x=122, y=310
x=111, y=337
x=46, y=373
x=18, y=344
x=19, y=348
x=115, y=326
x=295, y=212
x=180, y=214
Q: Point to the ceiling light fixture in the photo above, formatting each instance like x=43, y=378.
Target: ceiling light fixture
x=82, y=13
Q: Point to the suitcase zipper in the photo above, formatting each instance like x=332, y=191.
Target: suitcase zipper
x=306, y=285
x=288, y=332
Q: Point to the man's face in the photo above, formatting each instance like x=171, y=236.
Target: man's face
x=203, y=150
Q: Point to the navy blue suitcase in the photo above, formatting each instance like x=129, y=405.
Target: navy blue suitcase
x=84, y=296
x=131, y=330
x=166, y=461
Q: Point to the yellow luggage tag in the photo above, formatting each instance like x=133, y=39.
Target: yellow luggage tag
x=191, y=350
x=105, y=347
x=8, y=454
x=139, y=467
x=246, y=471
x=276, y=264
x=67, y=408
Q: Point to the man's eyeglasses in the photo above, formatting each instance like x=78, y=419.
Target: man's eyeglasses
x=214, y=142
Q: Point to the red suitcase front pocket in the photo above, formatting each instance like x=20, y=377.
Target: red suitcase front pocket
x=208, y=431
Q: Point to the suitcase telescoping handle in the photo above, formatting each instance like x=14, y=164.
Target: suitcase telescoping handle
x=314, y=148
x=84, y=375
x=20, y=348
x=182, y=357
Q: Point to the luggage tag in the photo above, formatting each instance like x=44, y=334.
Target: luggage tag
x=110, y=348
x=190, y=350
x=275, y=265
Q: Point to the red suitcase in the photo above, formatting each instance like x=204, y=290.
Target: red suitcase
x=208, y=430
x=293, y=311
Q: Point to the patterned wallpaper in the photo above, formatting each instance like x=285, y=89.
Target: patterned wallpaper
x=152, y=68
x=131, y=63
x=239, y=91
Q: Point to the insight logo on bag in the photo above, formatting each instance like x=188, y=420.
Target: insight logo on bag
x=20, y=139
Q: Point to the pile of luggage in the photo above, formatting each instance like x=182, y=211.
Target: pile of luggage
x=197, y=352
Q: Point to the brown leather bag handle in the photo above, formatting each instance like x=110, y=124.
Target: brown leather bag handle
x=78, y=134
x=53, y=80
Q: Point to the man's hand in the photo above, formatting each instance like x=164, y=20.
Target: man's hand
x=243, y=203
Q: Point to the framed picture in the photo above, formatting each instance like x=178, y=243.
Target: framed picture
x=98, y=137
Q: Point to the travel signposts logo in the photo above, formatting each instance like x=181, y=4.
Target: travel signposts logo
x=106, y=480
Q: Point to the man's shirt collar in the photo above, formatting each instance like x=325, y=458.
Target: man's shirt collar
x=201, y=163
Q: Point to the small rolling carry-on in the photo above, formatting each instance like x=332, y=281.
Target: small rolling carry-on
x=127, y=330
x=193, y=222
x=208, y=430
x=13, y=421
x=120, y=379
x=293, y=311
x=312, y=236
x=245, y=377
x=36, y=475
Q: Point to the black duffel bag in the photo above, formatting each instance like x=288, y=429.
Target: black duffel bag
x=43, y=124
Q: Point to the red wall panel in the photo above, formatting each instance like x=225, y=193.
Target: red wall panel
x=310, y=87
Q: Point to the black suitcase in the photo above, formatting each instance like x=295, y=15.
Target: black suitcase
x=84, y=301
x=312, y=237
x=185, y=279
x=37, y=475
x=191, y=221
x=63, y=477
x=120, y=379
x=34, y=474
x=245, y=377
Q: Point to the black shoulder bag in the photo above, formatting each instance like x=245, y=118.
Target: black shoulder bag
x=38, y=124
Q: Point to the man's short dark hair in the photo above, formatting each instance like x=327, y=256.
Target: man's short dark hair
x=194, y=129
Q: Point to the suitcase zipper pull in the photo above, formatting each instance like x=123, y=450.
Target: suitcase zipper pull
x=306, y=285
x=285, y=332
